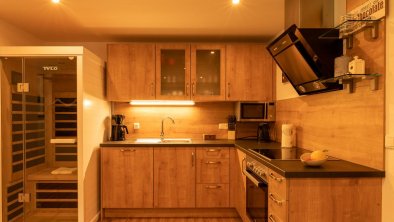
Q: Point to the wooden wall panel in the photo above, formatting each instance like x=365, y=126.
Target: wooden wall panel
x=349, y=125
x=190, y=122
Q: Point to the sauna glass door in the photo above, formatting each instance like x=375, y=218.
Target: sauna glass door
x=38, y=97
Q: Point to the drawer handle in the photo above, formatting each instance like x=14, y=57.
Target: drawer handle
x=213, y=150
x=271, y=217
x=272, y=197
x=275, y=178
x=127, y=150
x=213, y=187
x=213, y=162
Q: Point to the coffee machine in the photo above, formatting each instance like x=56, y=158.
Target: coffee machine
x=119, y=130
x=263, y=132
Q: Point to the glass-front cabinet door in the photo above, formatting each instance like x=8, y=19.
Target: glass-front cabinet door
x=207, y=72
x=173, y=71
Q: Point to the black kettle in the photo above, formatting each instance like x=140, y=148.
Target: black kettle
x=263, y=132
x=118, y=130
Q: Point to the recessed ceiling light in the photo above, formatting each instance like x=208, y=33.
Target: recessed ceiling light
x=235, y=2
x=55, y=1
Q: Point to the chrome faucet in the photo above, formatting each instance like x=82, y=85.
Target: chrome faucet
x=162, y=128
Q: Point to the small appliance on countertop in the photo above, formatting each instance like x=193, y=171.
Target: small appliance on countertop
x=263, y=132
x=118, y=129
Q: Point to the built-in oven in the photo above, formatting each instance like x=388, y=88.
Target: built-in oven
x=256, y=190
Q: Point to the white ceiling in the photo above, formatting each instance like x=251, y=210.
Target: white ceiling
x=139, y=20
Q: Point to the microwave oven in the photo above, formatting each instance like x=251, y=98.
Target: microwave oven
x=255, y=111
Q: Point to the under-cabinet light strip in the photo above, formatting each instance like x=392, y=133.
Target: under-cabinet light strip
x=162, y=102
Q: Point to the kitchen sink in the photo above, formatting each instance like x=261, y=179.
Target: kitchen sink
x=165, y=140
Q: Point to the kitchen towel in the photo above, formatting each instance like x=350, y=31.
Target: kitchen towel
x=288, y=135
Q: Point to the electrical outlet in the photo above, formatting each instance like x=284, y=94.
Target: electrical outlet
x=223, y=126
x=136, y=126
x=389, y=141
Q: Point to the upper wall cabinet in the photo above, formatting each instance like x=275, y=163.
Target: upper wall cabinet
x=131, y=71
x=249, y=73
x=208, y=72
x=173, y=71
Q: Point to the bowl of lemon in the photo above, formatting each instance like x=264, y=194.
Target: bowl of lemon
x=316, y=158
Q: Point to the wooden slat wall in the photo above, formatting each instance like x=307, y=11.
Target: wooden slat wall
x=190, y=122
x=350, y=126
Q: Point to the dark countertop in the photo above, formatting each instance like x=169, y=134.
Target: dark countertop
x=194, y=142
x=296, y=169
x=335, y=168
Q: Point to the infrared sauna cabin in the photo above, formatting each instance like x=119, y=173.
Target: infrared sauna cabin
x=53, y=118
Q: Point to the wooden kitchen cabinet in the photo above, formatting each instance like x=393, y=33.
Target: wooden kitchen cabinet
x=277, y=196
x=212, y=165
x=131, y=71
x=127, y=177
x=238, y=183
x=173, y=71
x=208, y=72
x=174, y=177
x=213, y=177
x=249, y=73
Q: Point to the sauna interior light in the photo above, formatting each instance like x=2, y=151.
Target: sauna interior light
x=235, y=2
x=162, y=102
x=56, y=1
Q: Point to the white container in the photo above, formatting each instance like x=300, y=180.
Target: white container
x=357, y=66
x=288, y=135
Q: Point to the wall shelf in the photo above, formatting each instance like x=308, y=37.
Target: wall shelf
x=349, y=79
x=349, y=27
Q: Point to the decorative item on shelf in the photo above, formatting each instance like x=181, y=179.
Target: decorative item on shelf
x=341, y=65
x=357, y=66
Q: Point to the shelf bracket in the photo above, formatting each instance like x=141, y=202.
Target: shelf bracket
x=349, y=84
x=374, y=83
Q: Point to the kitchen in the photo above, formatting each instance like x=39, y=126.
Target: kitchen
x=351, y=126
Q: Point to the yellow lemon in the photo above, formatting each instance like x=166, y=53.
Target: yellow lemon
x=318, y=155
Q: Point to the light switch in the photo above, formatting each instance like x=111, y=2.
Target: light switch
x=136, y=126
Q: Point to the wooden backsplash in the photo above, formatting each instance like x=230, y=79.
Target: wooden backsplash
x=349, y=125
x=191, y=122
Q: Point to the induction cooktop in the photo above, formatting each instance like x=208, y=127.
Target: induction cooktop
x=281, y=154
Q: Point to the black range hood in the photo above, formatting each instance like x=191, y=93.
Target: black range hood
x=306, y=60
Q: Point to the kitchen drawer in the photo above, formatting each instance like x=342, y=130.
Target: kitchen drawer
x=212, y=170
x=278, y=210
x=275, y=217
x=213, y=152
x=212, y=195
x=277, y=184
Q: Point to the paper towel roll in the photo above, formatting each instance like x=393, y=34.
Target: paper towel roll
x=288, y=135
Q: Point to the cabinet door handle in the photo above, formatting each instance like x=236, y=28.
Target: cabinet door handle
x=213, y=150
x=152, y=89
x=187, y=89
x=193, y=88
x=272, y=197
x=192, y=159
x=228, y=90
x=127, y=150
x=213, y=187
x=271, y=217
x=242, y=166
x=275, y=178
x=213, y=162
